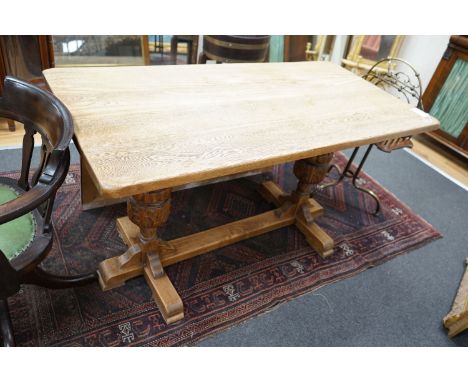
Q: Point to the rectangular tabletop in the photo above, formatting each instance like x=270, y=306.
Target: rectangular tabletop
x=145, y=128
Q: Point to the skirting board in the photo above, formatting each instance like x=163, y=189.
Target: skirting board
x=441, y=172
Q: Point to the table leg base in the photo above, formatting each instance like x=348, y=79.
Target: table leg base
x=315, y=236
x=115, y=271
x=166, y=297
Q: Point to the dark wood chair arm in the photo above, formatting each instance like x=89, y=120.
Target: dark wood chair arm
x=24, y=203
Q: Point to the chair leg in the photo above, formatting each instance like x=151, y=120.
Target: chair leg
x=11, y=125
x=6, y=329
x=202, y=58
x=48, y=280
x=174, y=50
x=367, y=191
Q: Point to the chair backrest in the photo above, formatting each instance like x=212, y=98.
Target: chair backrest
x=42, y=113
x=399, y=78
x=231, y=48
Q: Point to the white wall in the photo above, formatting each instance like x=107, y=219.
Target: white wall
x=424, y=53
x=339, y=48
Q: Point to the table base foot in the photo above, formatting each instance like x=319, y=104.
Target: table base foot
x=166, y=297
x=305, y=214
x=316, y=237
x=114, y=272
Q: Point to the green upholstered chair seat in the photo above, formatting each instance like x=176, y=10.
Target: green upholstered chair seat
x=16, y=235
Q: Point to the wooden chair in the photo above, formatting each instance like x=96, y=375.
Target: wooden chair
x=26, y=232
x=400, y=79
x=231, y=49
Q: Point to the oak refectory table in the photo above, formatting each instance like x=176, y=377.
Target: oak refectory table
x=144, y=131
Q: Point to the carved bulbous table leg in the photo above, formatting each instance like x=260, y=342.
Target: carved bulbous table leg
x=310, y=173
x=147, y=212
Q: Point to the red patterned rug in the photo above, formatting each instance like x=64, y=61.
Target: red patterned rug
x=219, y=289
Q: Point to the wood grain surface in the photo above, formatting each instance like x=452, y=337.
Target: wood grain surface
x=151, y=127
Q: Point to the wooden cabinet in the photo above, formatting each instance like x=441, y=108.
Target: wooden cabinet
x=446, y=96
x=25, y=57
x=295, y=47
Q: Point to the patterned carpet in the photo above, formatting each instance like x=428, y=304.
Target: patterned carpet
x=219, y=289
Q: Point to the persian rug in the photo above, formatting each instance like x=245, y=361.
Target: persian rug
x=219, y=289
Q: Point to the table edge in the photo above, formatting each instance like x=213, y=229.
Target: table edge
x=112, y=192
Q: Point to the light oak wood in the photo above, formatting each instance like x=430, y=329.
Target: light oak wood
x=114, y=272
x=315, y=236
x=147, y=128
x=148, y=254
x=196, y=244
x=90, y=197
x=430, y=151
x=147, y=211
x=456, y=320
x=166, y=297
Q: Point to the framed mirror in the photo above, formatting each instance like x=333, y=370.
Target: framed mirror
x=100, y=50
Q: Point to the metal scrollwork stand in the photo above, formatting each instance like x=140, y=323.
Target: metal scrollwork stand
x=393, y=81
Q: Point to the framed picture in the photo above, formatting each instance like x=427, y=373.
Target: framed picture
x=368, y=49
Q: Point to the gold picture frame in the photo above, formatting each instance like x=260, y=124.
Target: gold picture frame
x=323, y=48
x=389, y=46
